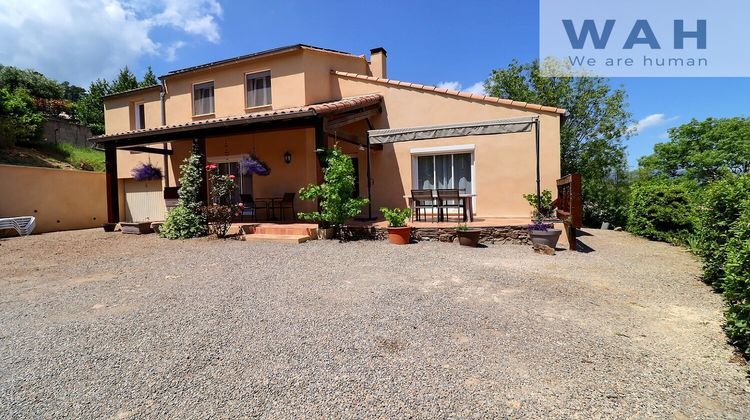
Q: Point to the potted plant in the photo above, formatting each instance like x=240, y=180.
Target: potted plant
x=468, y=236
x=544, y=234
x=398, y=232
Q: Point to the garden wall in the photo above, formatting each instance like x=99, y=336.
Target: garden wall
x=517, y=235
x=58, y=130
x=59, y=199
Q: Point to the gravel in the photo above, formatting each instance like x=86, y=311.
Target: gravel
x=96, y=324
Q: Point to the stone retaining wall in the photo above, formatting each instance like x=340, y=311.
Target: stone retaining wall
x=517, y=235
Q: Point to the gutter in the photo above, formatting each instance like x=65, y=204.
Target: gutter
x=165, y=146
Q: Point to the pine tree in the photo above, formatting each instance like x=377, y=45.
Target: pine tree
x=149, y=79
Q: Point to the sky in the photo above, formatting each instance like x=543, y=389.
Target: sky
x=445, y=43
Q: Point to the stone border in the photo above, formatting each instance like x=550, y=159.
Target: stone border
x=516, y=235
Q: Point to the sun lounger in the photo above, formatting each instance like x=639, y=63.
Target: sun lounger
x=23, y=225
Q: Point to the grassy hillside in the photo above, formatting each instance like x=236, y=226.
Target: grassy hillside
x=48, y=155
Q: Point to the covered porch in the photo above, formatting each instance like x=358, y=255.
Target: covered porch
x=288, y=141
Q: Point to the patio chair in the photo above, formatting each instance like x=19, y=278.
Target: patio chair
x=23, y=225
x=450, y=199
x=249, y=207
x=421, y=201
x=286, y=202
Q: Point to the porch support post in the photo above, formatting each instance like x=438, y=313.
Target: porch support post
x=369, y=180
x=320, y=144
x=113, y=195
x=199, y=148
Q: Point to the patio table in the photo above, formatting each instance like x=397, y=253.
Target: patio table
x=268, y=201
x=466, y=197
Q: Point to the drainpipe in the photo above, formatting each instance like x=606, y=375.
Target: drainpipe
x=538, y=169
x=162, y=99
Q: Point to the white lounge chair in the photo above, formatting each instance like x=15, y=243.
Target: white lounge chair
x=23, y=225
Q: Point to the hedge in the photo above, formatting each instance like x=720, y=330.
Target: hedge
x=662, y=211
x=719, y=211
x=737, y=281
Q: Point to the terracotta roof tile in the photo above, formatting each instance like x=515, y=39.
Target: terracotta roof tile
x=322, y=109
x=443, y=91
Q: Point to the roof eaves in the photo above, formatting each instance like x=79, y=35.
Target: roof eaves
x=129, y=91
x=463, y=95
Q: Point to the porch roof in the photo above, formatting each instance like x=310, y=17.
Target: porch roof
x=216, y=125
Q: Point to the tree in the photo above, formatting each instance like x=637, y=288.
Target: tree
x=149, y=79
x=90, y=107
x=125, y=80
x=702, y=151
x=35, y=83
x=19, y=119
x=591, y=138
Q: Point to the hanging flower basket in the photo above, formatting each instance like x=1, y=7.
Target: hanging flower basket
x=251, y=165
x=146, y=172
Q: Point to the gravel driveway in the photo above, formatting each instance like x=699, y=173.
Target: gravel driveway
x=108, y=325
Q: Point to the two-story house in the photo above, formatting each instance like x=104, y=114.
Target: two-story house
x=285, y=105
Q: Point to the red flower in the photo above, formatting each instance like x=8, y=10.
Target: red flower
x=241, y=204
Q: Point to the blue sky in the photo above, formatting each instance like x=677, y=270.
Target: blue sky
x=429, y=42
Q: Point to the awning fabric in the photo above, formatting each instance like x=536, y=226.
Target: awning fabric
x=393, y=135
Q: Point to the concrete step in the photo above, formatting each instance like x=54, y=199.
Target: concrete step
x=273, y=229
x=268, y=237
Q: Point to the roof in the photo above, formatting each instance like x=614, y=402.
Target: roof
x=324, y=108
x=272, y=51
x=129, y=91
x=455, y=93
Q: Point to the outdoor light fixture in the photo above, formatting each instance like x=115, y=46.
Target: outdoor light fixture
x=288, y=157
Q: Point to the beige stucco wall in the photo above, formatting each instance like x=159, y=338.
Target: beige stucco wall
x=119, y=113
x=317, y=66
x=59, y=199
x=504, y=164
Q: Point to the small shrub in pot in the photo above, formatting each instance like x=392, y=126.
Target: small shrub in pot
x=398, y=232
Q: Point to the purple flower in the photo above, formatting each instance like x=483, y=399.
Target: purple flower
x=146, y=172
x=540, y=226
x=254, y=166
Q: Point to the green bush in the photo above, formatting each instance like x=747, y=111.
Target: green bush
x=662, y=211
x=719, y=211
x=396, y=217
x=547, y=210
x=186, y=220
x=183, y=223
x=335, y=194
x=737, y=281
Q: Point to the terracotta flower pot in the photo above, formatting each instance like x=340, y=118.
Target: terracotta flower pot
x=399, y=235
x=326, y=233
x=469, y=237
x=548, y=237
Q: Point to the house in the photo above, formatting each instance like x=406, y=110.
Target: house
x=286, y=104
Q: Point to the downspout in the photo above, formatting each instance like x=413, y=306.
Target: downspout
x=165, y=146
x=538, y=169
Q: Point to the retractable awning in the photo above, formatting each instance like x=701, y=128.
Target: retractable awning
x=393, y=135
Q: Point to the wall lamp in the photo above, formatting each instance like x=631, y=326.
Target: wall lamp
x=288, y=157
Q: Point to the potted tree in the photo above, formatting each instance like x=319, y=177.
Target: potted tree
x=334, y=195
x=398, y=232
x=468, y=236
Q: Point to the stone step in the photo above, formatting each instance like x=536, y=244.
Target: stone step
x=267, y=237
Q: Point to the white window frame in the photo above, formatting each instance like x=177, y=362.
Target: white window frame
x=256, y=75
x=137, y=115
x=229, y=159
x=213, y=98
x=445, y=150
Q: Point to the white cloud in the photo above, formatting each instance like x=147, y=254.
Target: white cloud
x=477, y=87
x=80, y=40
x=652, y=120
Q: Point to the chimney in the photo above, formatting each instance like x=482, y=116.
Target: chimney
x=378, y=63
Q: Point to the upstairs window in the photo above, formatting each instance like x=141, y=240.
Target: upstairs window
x=140, y=116
x=203, y=98
x=258, y=87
